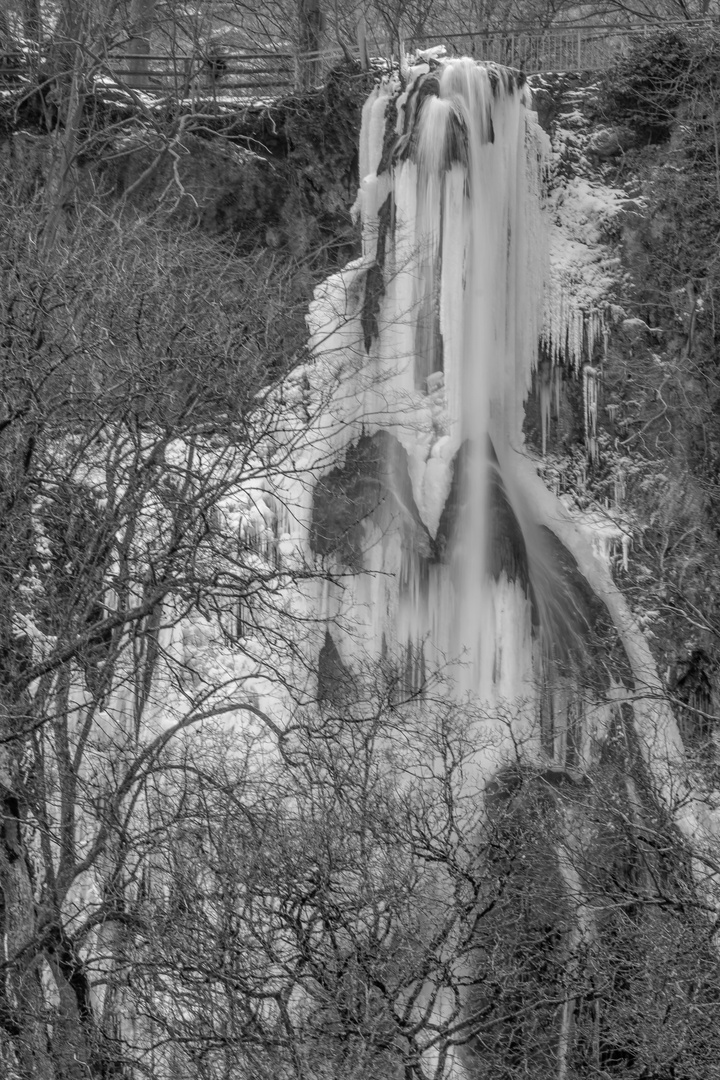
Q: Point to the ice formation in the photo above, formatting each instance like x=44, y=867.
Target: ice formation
x=443, y=551
x=396, y=508
x=445, y=559
x=428, y=342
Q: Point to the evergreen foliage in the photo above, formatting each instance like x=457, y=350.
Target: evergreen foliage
x=668, y=387
x=644, y=89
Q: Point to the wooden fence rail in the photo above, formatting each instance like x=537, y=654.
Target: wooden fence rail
x=266, y=74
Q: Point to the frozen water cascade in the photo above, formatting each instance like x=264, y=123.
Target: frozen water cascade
x=451, y=241
x=450, y=545
x=442, y=547
x=431, y=339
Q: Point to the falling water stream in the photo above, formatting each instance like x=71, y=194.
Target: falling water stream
x=442, y=546
x=441, y=541
x=451, y=288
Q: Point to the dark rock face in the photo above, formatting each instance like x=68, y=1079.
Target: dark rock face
x=336, y=684
x=373, y=483
x=579, y=640
x=692, y=684
x=507, y=550
x=549, y=91
x=311, y=142
x=282, y=175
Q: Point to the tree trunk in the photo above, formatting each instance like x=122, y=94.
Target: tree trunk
x=21, y=991
x=6, y=39
x=138, y=47
x=32, y=24
x=362, y=43
x=73, y=1018
x=309, y=36
x=60, y=183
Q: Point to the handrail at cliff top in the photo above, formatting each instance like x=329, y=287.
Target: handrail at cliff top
x=644, y=28
x=584, y=47
x=178, y=75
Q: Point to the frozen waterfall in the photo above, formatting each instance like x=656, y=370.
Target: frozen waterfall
x=428, y=561
x=445, y=558
x=432, y=552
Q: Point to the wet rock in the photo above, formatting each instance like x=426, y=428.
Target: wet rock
x=609, y=143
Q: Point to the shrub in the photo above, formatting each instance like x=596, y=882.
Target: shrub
x=644, y=89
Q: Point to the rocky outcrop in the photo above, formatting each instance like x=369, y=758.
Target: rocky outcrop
x=281, y=174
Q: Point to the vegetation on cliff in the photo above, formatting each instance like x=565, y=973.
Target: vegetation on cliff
x=663, y=376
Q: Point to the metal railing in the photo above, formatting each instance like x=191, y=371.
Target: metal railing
x=582, y=48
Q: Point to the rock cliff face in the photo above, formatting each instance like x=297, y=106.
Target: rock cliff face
x=281, y=174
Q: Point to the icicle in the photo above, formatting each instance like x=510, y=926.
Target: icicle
x=619, y=486
x=400, y=102
x=364, y=155
x=545, y=377
x=590, y=402
x=376, y=128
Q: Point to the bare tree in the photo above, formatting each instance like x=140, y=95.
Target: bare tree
x=133, y=443
x=347, y=902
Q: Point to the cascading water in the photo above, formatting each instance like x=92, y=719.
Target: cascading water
x=445, y=559
x=439, y=561
x=433, y=336
x=442, y=547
